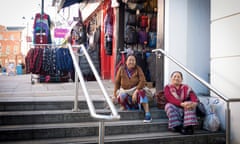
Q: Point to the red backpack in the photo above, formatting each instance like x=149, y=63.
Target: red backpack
x=143, y=21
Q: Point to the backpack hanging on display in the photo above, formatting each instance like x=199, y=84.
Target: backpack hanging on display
x=152, y=39
x=131, y=35
x=142, y=36
x=153, y=23
x=143, y=21
x=131, y=20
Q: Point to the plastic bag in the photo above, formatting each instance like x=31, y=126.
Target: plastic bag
x=211, y=121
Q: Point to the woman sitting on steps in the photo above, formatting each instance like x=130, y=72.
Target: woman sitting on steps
x=181, y=105
x=129, y=87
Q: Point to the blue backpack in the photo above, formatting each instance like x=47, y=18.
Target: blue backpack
x=152, y=39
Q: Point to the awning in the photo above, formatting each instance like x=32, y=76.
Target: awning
x=91, y=9
x=67, y=3
x=88, y=8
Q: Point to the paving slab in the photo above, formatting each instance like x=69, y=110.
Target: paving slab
x=20, y=88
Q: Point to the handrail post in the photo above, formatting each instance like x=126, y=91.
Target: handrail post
x=228, y=124
x=101, y=132
x=78, y=75
x=75, y=109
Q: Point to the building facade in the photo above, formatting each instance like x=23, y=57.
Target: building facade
x=10, y=46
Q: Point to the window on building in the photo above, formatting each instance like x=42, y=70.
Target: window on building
x=8, y=50
x=1, y=37
x=15, y=49
x=11, y=37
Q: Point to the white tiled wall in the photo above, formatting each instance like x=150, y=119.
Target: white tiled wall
x=225, y=56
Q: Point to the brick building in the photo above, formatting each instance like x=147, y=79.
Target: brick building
x=10, y=45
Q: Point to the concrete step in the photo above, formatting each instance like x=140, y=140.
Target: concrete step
x=46, y=105
x=51, y=105
x=67, y=130
x=200, y=137
x=68, y=116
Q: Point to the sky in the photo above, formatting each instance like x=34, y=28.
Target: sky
x=12, y=11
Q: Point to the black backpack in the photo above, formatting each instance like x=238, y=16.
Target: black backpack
x=153, y=23
x=132, y=20
x=131, y=35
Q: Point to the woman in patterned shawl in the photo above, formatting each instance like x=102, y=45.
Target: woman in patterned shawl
x=129, y=87
x=181, y=105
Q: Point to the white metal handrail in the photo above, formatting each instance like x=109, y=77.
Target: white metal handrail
x=114, y=114
x=214, y=90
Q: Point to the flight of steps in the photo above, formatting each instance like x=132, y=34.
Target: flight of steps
x=55, y=123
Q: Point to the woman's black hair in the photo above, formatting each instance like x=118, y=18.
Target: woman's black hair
x=128, y=55
x=177, y=72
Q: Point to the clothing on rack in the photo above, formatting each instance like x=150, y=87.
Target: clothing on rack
x=33, y=60
x=42, y=25
x=48, y=61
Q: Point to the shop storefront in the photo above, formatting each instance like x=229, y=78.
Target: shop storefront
x=135, y=26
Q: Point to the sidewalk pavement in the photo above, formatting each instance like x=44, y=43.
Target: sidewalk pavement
x=20, y=88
